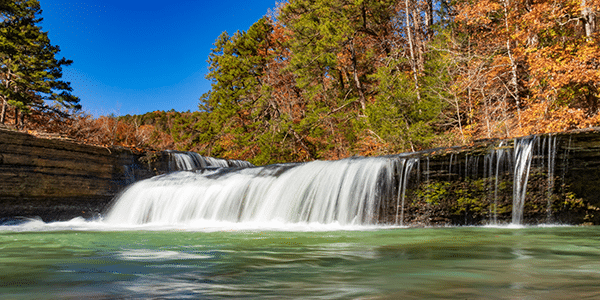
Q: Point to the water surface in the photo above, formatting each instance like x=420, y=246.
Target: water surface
x=75, y=261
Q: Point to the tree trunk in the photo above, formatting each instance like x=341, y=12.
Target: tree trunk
x=514, y=80
x=359, y=87
x=418, y=37
x=3, y=115
x=588, y=15
x=411, y=47
x=22, y=121
x=429, y=18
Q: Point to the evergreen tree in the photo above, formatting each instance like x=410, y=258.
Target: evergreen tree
x=237, y=64
x=30, y=73
x=335, y=45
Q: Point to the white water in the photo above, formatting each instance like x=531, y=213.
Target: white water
x=345, y=192
x=406, y=166
x=551, y=163
x=349, y=192
x=321, y=195
x=501, y=153
x=190, y=161
x=80, y=224
x=523, y=155
x=496, y=163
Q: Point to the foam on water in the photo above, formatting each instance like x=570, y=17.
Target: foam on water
x=157, y=255
x=79, y=224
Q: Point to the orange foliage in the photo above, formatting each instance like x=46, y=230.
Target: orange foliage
x=542, y=118
x=102, y=131
x=537, y=67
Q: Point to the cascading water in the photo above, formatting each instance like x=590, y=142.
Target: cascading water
x=355, y=191
x=522, y=154
x=499, y=159
x=404, y=169
x=551, y=164
x=346, y=192
x=190, y=161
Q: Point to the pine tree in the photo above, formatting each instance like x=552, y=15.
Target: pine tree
x=30, y=73
x=237, y=64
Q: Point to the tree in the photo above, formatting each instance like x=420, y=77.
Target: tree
x=237, y=64
x=533, y=65
x=30, y=73
x=334, y=46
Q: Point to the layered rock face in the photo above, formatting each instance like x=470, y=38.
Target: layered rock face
x=57, y=179
x=539, y=179
x=550, y=178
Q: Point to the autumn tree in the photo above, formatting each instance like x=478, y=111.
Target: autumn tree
x=331, y=79
x=536, y=64
x=334, y=48
x=413, y=79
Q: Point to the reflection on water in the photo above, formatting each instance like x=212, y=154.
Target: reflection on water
x=400, y=263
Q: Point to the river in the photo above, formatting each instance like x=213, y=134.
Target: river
x=93, y=259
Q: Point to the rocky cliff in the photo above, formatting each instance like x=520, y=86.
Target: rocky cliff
x=58, y=179
x=550, y=178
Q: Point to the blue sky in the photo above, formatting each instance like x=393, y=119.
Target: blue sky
x=136, y=56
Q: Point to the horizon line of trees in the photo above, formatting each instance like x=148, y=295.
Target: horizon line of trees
x=318, y=79
x=323, y=79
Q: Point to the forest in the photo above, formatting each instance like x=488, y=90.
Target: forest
x=317, y=79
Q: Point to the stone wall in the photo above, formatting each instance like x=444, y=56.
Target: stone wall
x=58, y=179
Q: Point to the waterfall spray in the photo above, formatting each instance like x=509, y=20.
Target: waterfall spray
x=522, y=155
x=346, y=192
x=191, y=161
x=551, y=164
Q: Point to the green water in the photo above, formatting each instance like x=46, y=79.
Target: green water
x=428, y=263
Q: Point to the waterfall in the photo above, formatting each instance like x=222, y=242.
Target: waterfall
x=347, y=192
x=497, y=162
x=500, y=157
x=551, y=163
x=353, y=191
x=404, y=170
x=522, y=154
x=190, y=161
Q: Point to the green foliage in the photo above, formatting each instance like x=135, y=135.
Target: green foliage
x=316, y=40
x=571, y=202
x=468, y=201
x=406, y=116
x=331, y=45
x=236, y=65
x=29, y=71
x=434, y=192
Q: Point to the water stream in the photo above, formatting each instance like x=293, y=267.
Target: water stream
x=523, y=155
